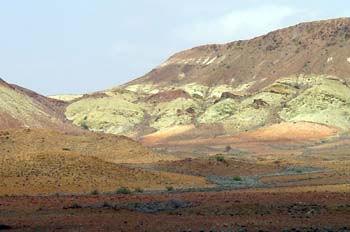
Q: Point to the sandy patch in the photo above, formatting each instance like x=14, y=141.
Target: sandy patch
x=293, y=131
x=162, y=135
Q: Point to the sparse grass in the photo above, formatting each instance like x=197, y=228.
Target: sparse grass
x=123, y=190
x=169, y=188
x=237, y=178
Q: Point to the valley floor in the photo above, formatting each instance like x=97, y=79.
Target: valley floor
x=277, y=186
x=260, y=210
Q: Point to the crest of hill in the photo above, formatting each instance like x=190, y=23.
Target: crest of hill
x=319, y=47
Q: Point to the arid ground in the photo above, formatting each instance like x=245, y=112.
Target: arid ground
x=304, y=188
x=288, y=209
x=247, y=136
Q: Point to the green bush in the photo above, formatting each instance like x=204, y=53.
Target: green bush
x=94, y=192
x=84, y=126
x=123, y=190
x=220, y=158
x=169, y=188
x=237, y=178
x=138, y=190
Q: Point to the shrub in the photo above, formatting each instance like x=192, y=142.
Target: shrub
x=84, y=126
x=169, y=188
x=107, y=204
x=220, y=158
x=123, y=190
x=237, y=178
x=5, y=227
x=139, y=190
x=94, y=192
x=228, y=148
x=74, y=206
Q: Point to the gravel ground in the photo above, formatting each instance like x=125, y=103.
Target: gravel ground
x=244, y=182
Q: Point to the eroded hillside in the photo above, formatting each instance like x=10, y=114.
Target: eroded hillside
x=296, y=74
x=22, y=108
x=313, y=98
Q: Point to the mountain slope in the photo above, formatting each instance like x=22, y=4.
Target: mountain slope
x=307, y=48
x=21, y=108
x=296, y=74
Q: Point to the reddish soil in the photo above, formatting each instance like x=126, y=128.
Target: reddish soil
x=223, y=211
x=9, y=122
x=167, y=96
x=292, y=131
x=160, y=136
x=282, y=134
x=212, y=167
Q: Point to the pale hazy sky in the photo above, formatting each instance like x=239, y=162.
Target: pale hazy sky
x=79, y=46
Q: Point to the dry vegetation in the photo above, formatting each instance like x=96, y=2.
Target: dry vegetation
x=38, y=161
x=50, y=173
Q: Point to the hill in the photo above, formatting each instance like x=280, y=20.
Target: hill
x=23, y=108
x=40, y=161
x=297, y=74
x=111, y=148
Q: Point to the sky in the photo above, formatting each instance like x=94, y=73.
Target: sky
x=81, y=46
